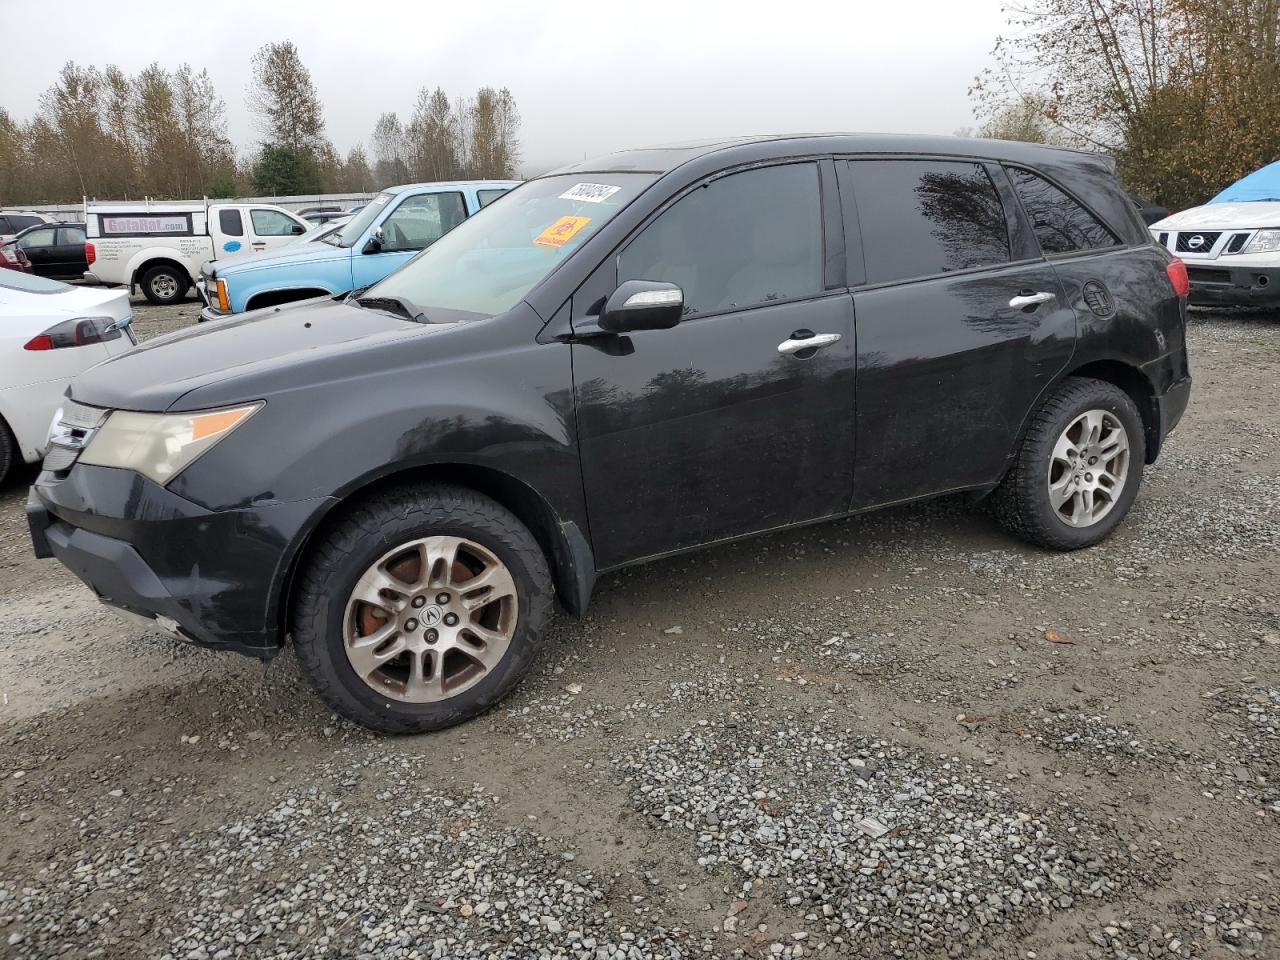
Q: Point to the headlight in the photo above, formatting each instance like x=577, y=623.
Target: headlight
x=1264, y=241
x=160, y=445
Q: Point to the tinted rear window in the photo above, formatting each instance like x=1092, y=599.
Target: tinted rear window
x=924, y=217
x=21, y=223
x=1061, y=224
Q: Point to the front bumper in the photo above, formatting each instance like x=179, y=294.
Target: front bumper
x=1213, y=284
x=214, y=578
x=208, y=311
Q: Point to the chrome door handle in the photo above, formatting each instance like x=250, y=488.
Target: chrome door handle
x=1030, y=300
x=814, y=342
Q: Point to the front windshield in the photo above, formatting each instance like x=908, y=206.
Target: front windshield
x=487, y=264
x=358, y=224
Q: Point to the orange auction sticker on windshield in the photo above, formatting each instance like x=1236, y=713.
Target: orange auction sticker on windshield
x=561, y=232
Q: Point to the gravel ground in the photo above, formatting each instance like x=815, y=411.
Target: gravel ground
x=904, y=735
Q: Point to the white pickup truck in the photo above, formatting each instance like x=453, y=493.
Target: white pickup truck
x=161, y=247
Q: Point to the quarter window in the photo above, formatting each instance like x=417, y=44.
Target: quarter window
x=232, y=224
x=1060, y=224
x=422, y=220
x=737, y=241
x=68, y=236
x=924, y=217
x=272, y=223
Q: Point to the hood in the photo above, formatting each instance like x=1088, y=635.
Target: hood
x=310, y=252
x=255, y=352
x=1263, y=184
x=1223, y=216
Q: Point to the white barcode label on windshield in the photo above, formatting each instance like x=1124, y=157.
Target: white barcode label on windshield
x=590, y=192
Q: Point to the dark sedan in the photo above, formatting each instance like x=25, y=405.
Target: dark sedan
x=56, y=250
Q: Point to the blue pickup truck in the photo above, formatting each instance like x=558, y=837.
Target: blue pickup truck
x=396, y=225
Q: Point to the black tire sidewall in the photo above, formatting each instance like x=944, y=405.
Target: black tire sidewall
x=180, y=282
x=1100, y=396
x=383, y=712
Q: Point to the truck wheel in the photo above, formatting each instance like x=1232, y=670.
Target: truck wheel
x=1077, y=471
x=165, y=285
x=421, y=608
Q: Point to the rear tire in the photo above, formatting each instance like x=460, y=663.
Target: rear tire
x=390, y=629
x=1057, y=493
x=165, y=285
x=9, y=456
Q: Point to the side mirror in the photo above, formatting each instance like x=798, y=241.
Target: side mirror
x=375, y=241
x=299, y=229
x=642, y=305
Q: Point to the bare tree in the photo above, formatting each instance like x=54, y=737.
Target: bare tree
x=433, y=138
x=284, y=99
x=355, y=176
x=390, y=151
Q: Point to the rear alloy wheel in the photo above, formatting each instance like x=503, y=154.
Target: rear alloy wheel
x=164, y=285
x=1078, y=469
x=1089, y=467
x=421, y=608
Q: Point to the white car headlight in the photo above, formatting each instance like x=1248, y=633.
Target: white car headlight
x=1264, y=241
x=160, y=445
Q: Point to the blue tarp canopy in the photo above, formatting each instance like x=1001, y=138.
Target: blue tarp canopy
x=1262, y=184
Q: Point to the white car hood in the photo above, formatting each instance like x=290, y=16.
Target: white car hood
x=1223, y=216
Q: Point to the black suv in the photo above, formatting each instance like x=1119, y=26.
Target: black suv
x=624, y=359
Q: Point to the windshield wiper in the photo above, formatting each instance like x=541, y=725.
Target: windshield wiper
x=397, y=305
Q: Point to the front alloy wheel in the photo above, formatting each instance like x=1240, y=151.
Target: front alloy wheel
x=430, y=619
x=420, y=607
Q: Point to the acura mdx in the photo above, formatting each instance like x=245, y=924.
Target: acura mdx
x=615, y=362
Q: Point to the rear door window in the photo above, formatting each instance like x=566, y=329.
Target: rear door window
x=1060, y=223
x=487, y=197
x=737, y=241
x=38, y=238
x=920, y=218
x=231, y=223
x=271, y=223
x=70, y=236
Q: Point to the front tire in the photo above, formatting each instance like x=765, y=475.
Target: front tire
x=421, y=608
x=165, y=285
x=1078, y=469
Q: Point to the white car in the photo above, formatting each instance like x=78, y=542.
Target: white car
x=49, y=333
x=1231, y=245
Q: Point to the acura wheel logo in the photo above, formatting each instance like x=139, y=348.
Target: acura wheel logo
x=1196, y=242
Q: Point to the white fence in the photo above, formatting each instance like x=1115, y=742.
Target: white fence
x=343, y=201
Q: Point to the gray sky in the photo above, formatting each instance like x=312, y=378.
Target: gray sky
x=588, y=77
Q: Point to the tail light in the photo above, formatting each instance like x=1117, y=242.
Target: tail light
x=1177, y=271
x=80, y=332
x=90, y=254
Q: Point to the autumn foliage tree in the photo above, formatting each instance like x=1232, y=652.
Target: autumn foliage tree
x=1181, y=92
x=101, y=133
